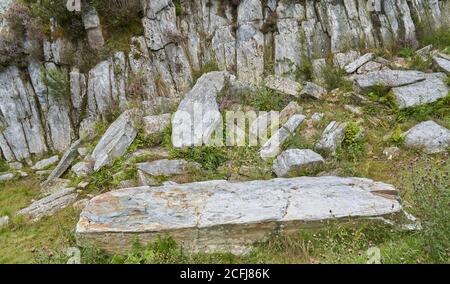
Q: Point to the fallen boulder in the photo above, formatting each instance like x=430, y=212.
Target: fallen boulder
x=424, y=92
x=353, y=66
x=428, y=135
x=219, y=215
x=154, y=124
x=442, y=63
x=49, y=205
x=331, y=137
x=283, y=85
x=273, y=146
x=313, y=90
x=198, y=115
x=293, y=161
x=387, y=78
x=45, y=163
x=116, y=140
x=168, y=167
x=64, y=163
x=6, y=176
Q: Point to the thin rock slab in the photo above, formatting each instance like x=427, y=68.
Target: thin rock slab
x=293, y=161
x=387, y=78
x=168, y=167
x=218, y=215
x=313, y=90
x=115, y=141
x=353, y=66
x=429, y=136
x=45, y=163
x=6, y=176
x=272, y=147
x=331, y=137
x=427, y=91
x=442, y=63
x=49, y=205
x=283, y=85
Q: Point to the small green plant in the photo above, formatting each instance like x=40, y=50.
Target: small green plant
x=397, y=136
x=353, y=144
x=381, y=94
x=206, y=68
x=3, y=166
x=407, y=52
x=335, y=78
x=209, y=157
x=417, y=63
x=438, y=109
x=57, y=82
x=448, y=80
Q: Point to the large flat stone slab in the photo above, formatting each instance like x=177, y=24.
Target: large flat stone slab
x=224, y=216
x=388, y=78
x=424, y=92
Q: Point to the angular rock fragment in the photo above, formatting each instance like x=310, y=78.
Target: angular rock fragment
x=283, y=85
x=273, y=146
x=49, y=205
x=342, y=59
x=442, y=63
x=429, y=136
x=6, y=176
x=293, y=161
x=369, y=67
x=313, y=90
x=423, y=92
x=4, y=221
x=116, y=140
x=198, y=114
x=218, y=215
x=168, y=167
x=45, y=163
x=82, y=169
x=331, y=137
x=388, y=78
x=424, y=52
x=154, y=124
x=64, y=163
x=353, y=66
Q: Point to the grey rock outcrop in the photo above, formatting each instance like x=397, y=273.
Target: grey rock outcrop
x=429, y=136
x=388, y=78
x=353, y=66
x=313, y=90
x=442, y=63
x=154, y=124
x=218, y=215
x=283, y=85
x=82, y=169
x=293, y=161
x=6, y=176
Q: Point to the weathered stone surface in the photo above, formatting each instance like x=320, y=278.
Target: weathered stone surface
x=15, y=165
x=82, y=169
x=370, y=67
x=64, y=163
x=4, y=222
x=154, y=124
x=273, y=146
x=313, y=90
x=331, y=137
x=293, y=161
x=116, y=140
x=45, y=163
x=388, y=78
x=442, y=63
x=353, y=66
x=425, y=52
x=168, y=167
x=55, y=185
x=342, y=59
x=21, y=132
x=6, y=176
x=316, y=117
x=427, y=91
x=198, y=114
x=428, y=135
x=49, y=205
x=223, y=216
x=80, y=204
x=283, y=85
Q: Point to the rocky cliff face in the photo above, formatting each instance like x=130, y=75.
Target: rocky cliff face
x=249, y=38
